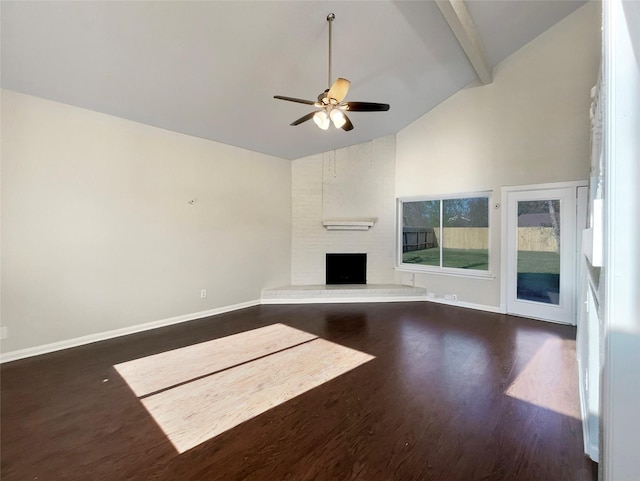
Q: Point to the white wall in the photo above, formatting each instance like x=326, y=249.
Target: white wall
x=620, y=449
x=353, y=183
x=531, y=125
x=98, y=233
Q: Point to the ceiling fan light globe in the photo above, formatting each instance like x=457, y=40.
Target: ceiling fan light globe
x=321, y=119
x=338, y=118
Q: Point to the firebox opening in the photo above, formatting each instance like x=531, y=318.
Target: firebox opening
x=346, y=269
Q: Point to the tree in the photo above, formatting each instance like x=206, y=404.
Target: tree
x=466, y=212
x=424, y=213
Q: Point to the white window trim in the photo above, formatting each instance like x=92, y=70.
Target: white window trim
x=439, y=270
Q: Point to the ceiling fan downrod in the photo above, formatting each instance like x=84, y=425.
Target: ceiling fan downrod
x=330, y=18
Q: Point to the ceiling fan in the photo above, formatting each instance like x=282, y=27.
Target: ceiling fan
x=330, y=102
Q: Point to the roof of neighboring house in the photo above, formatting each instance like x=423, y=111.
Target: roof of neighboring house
x=535, y=220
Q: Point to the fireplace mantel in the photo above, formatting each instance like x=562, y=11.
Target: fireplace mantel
x=348, y=224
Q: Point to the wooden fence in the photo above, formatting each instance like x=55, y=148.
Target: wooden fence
x=540, y=239
x=418, y=238
x=466, y=237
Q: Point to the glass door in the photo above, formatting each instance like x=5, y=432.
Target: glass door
x=541, y=259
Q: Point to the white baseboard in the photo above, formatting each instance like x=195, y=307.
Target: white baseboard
x=102, y=336
x=466, y=305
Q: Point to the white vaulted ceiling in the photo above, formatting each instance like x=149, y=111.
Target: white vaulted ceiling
x=211, y=69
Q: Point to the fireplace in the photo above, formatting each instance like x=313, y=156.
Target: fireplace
x=346, y=269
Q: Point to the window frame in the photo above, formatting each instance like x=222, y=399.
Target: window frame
x=450, y=271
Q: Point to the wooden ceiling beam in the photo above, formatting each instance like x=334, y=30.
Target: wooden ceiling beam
x=457, y=16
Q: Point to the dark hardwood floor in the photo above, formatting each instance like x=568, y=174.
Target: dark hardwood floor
x=430, y=406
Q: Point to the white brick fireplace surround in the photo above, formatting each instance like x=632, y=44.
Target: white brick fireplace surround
x=331, y=193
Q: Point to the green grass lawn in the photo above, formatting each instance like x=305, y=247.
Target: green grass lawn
x=460, y=258
x=539, y=262
x=535, y=262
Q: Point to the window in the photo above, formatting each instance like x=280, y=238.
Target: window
x=445, y=234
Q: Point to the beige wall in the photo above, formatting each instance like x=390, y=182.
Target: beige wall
x=531, y=125
x=98, y=233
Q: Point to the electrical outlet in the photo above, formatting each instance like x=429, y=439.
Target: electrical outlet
x=4, y=332
x=431, y=295
x=203, y=293
x=450, y=297
x=454, y=297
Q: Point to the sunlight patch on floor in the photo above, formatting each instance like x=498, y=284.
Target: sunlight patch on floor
x=167, y=369
x=198, y=392
x=540, y=382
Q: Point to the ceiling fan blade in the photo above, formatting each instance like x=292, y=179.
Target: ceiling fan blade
x=339, y=89
x=293, y=99
x=303, y=119
x=366, y=107
x=347, y=125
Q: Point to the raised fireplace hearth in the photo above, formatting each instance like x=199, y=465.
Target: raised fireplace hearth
x=346, y=269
